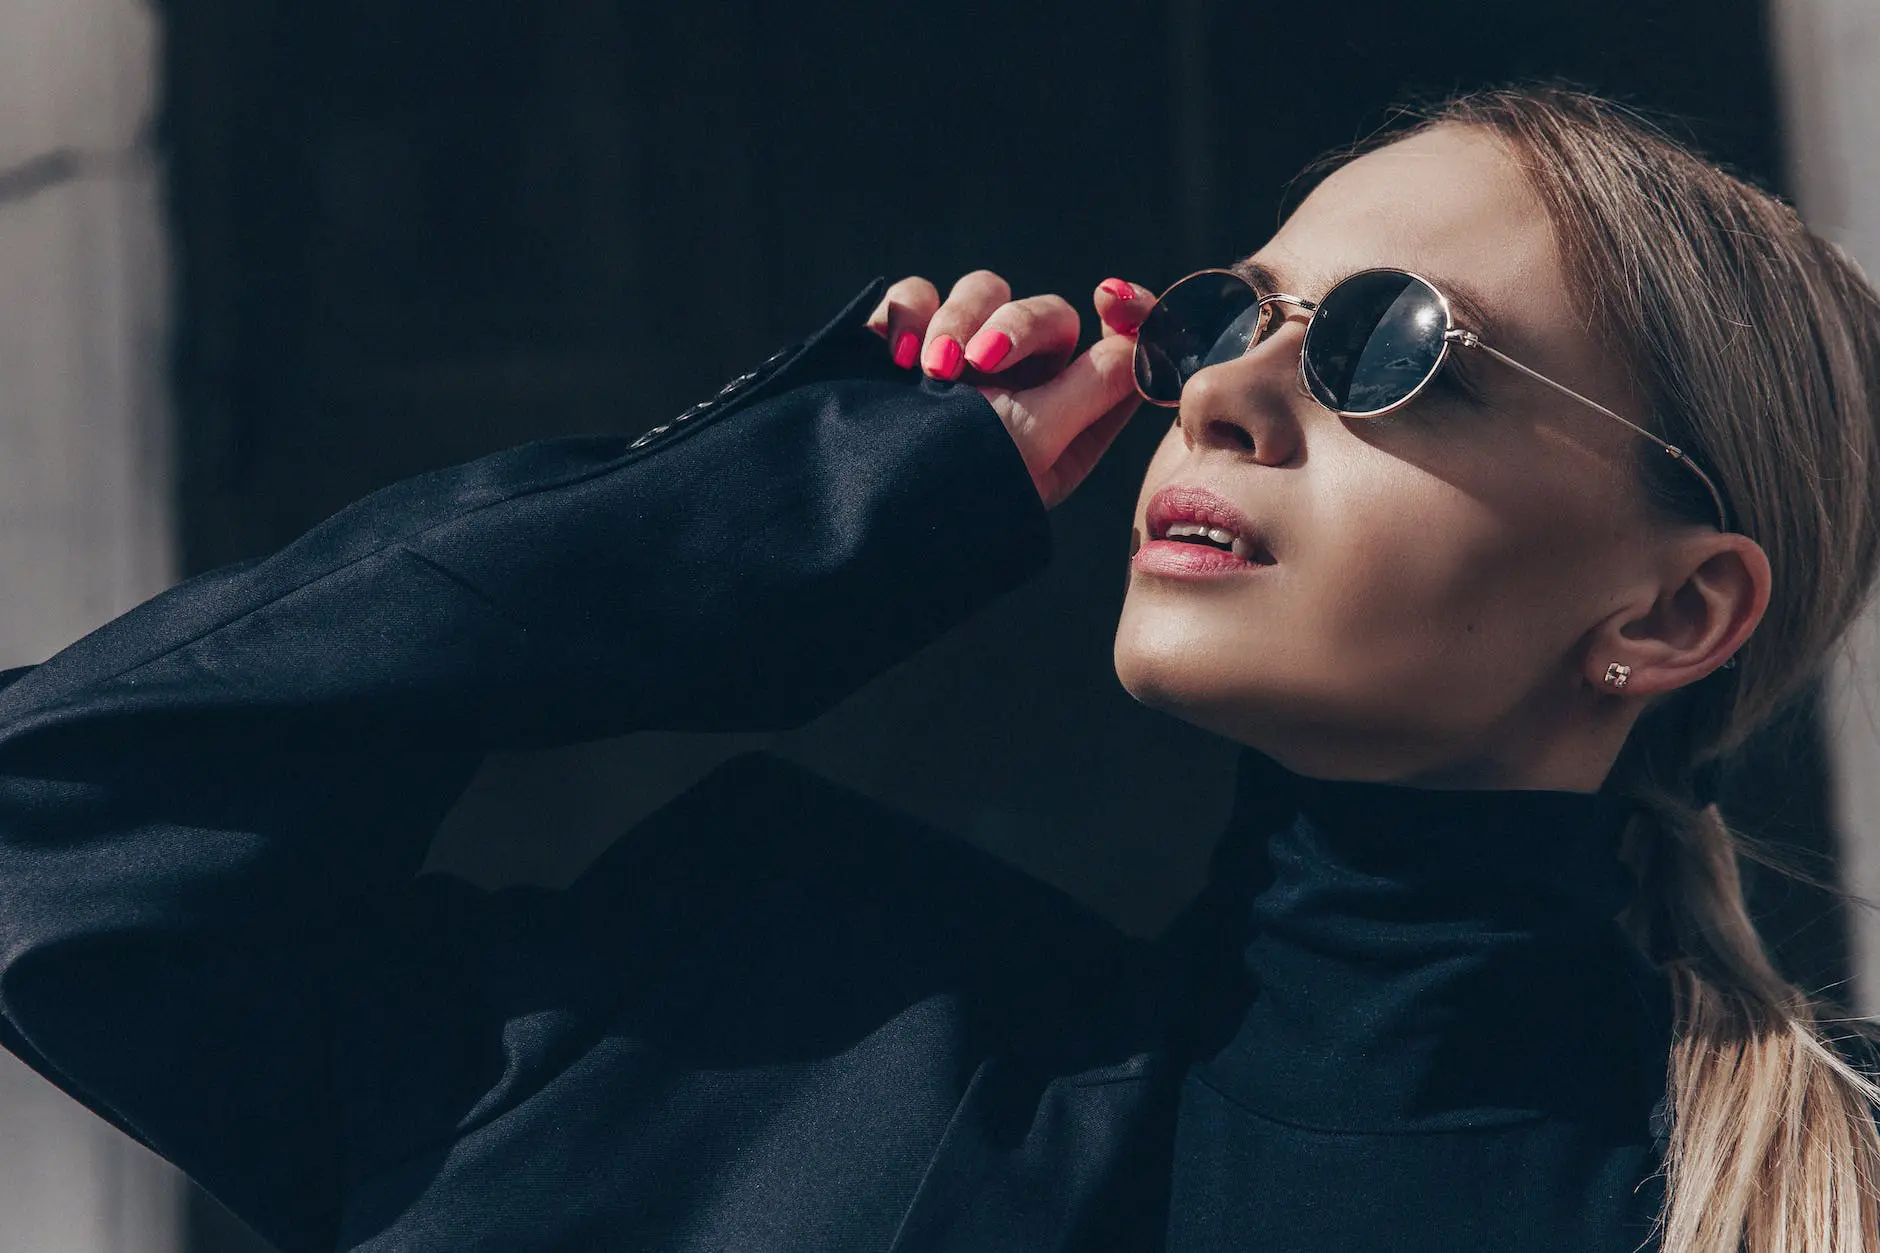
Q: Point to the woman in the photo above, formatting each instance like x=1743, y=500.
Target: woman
x=1484, y=568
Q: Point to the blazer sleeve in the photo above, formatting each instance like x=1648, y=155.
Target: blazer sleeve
x=205, y=801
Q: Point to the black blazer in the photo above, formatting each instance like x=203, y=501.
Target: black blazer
x=776, y=1015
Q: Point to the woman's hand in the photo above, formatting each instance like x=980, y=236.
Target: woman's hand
x=1062, y=413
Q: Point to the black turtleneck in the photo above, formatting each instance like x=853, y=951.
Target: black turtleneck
x=1437, y=1037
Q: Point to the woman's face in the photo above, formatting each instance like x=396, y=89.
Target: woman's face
x=1436, y=571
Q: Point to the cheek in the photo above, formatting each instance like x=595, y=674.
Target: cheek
x=1404, y=588
x=1465, y=582
x=1400, y=586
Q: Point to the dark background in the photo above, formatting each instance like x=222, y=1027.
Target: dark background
x=411, y=232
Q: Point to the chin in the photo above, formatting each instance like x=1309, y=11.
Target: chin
x=1182, y=676
x=1210, y=685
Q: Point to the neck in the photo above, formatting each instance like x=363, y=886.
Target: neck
x=1418, y=959
x=1561, y=746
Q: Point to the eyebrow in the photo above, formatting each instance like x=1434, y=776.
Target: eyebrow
x=1470, y=309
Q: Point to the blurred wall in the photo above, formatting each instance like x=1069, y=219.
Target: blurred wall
x=86, y=525
x=1828, y=51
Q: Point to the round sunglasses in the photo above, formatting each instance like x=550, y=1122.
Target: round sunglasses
x=1371, y=346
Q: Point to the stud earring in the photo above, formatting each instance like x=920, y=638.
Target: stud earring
x=1618, y=675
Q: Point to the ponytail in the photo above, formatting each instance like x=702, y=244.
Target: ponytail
x=1772, y=1146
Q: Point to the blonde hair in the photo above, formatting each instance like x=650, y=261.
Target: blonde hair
x=1757, y=347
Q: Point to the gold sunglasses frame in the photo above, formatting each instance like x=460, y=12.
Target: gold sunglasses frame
x=1453, y=335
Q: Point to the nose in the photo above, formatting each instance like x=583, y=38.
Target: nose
x=1248, y=405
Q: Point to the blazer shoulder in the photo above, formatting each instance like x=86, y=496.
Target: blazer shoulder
x=820, y=912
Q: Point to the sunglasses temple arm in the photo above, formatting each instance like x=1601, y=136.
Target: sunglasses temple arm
x=1470, y=340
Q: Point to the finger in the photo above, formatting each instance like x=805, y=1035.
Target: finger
x=1037, y=326
x=1055, y=413
x=964, y=311
x=902, y=316
x=1122, y=305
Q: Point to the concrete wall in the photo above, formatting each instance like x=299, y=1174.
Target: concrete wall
x=1826, y=54
x=85, y=528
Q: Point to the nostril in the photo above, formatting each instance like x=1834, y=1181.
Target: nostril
x=1231, y=433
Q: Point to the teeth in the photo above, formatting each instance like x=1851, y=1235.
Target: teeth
x=1215, y=533
x=1241, y=548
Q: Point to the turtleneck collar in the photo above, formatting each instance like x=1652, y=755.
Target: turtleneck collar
x=1412, y=959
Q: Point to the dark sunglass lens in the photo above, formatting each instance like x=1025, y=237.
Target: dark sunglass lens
x=1374, y=340
x=1201, y=321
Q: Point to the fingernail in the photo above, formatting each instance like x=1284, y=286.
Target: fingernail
x=944, y=357
x=988, y=348
x=906, y=348
x=1118, y=288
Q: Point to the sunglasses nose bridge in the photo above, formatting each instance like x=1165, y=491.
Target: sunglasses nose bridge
x=1275, y=324
x=1277, y=313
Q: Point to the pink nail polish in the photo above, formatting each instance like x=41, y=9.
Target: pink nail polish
x=987, y=349
x=1118, y=288
x=906, y=348
x=944, y=357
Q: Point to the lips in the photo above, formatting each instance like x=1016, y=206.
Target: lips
x=1179, y=503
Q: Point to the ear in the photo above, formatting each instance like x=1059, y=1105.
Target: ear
x=1711, y=593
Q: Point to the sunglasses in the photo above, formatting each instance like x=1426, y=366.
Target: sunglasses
x=1372, y=345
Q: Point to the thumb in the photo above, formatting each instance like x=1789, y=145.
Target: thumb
x=1047, y=418
x=1085, y=451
